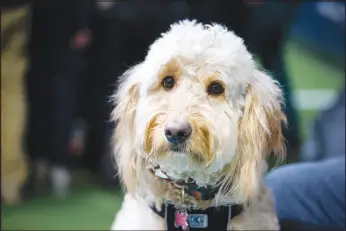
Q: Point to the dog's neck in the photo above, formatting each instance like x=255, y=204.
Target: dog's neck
x=158, y=187
x=182, y=194
x=190, y=187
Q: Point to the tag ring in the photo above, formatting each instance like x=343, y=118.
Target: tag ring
x=182, y=195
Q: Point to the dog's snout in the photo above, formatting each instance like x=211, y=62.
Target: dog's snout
x=177, y=132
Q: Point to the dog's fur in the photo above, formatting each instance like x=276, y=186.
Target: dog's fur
x=232, y=135
x=14, y=169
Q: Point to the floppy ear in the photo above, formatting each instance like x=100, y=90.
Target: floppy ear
x=259, y=135
x=126, y=99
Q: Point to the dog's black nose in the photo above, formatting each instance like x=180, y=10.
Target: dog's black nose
x=177, y=132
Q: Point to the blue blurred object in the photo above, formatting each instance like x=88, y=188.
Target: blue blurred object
x=327, y=133
x=322, y=25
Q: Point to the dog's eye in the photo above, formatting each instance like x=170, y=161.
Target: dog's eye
x=168, y=82
x=215, y=88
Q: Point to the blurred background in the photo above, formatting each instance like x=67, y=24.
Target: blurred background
x=59, y=64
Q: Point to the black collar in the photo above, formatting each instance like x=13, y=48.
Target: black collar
x=215, y=218
x=192, y=189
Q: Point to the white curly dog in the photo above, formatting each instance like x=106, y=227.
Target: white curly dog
x=197, y=111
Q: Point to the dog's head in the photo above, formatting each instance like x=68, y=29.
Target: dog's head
x=197, y=108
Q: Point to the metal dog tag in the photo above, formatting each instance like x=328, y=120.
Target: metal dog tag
x=198, y=220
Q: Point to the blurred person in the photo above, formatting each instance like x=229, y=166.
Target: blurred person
x=314, y=191
x=14, y=34
x=52, y=79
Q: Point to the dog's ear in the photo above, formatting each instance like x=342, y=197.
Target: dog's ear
x=259, y=134
x=126, y=99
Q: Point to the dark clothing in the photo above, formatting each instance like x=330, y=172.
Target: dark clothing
x=52, y=79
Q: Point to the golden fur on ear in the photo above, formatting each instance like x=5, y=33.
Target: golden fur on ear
x=259, y=134
x=126, y=99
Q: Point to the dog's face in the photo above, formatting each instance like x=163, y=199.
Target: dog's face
x=197, y=108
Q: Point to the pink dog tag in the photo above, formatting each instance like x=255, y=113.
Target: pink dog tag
x=181, y=217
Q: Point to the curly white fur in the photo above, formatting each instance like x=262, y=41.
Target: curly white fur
x=232, y=133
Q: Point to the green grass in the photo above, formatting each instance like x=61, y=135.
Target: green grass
x=92, y=208
x=87, y=208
